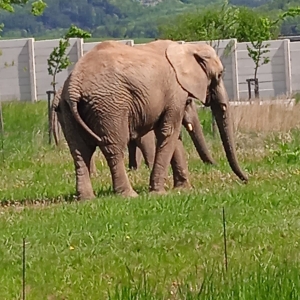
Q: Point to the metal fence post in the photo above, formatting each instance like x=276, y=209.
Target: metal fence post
x=49, y=93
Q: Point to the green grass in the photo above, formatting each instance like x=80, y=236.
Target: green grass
x=151, y=247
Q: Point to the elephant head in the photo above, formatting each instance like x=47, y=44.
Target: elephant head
x=199, y=72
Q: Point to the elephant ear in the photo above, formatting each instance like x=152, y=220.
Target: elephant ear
x=190, y=63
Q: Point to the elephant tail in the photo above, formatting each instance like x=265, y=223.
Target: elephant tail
x=76, y=115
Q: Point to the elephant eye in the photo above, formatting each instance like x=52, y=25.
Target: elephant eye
x=188, y=101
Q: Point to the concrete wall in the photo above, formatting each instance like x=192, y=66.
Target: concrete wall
x=16, y=70
x=24, y=75
x=295, y=65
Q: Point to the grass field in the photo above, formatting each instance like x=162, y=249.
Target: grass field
x=152, y=247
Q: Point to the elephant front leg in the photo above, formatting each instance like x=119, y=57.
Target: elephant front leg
x=164, y=151
x=147, y=147
x=121, y=184
x=180, y=167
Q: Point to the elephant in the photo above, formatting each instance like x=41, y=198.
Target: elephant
x=117, y=93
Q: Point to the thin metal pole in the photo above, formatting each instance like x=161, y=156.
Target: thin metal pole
x=2, y=131
x=24, y=269
x=225, y=240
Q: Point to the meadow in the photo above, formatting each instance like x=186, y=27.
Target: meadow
x=152, y=247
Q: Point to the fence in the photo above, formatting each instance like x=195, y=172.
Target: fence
x=24, y=75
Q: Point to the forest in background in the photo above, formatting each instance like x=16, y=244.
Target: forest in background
x=123, y=18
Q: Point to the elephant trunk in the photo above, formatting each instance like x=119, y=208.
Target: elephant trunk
x=192, y=124
x=224, y=123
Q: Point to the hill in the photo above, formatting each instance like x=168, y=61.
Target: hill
x=109, y=18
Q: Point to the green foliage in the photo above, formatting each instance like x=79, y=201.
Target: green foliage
x=285, y=151
x=212, y=23
x=37, y=7
x=58, y=59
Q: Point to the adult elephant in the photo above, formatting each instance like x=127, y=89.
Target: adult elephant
x=116, y=93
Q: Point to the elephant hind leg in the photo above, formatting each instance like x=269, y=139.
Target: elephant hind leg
x=115, y=161
x=82, y=155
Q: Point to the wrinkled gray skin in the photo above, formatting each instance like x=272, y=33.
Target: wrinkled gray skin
x=116, y=93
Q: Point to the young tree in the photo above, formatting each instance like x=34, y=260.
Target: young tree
x=255, y=29
x=58, y=59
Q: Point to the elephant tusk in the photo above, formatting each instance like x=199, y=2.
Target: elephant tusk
x=190, y=127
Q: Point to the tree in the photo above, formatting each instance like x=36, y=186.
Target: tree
x=58, y=59
x=37, y=7
x=212, y=23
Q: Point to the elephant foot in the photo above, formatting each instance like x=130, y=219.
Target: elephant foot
x=182, y=185
x=86, y=195
x=129, y=194
x=158, y=192
x=132, y=169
